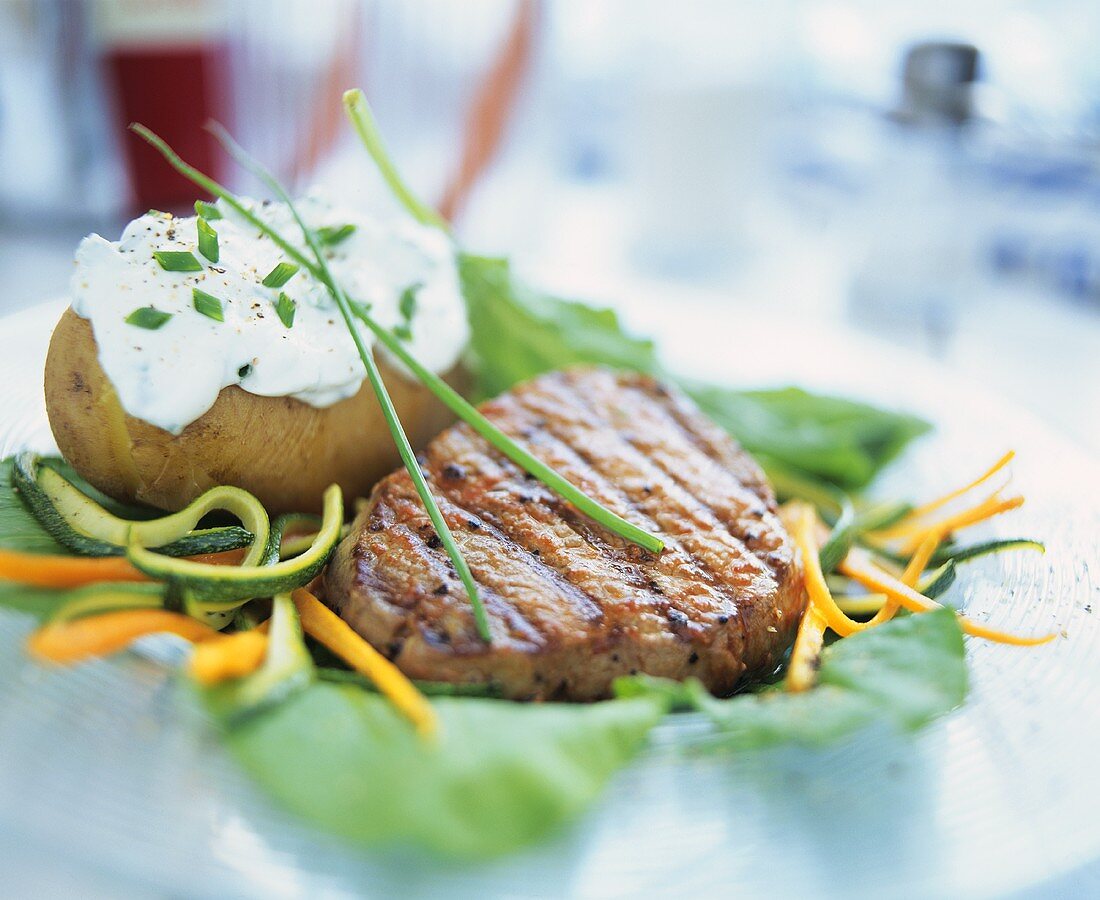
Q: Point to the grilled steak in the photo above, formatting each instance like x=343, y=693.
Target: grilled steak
x=572, y=605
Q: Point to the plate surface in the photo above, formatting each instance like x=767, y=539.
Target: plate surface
x=112, y=771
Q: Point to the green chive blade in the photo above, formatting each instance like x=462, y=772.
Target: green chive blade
x=319, y=269
x=280, y=275
x=177, y=261
x=207, y=211
x=464, y=410
x=393, y=422
x=208, y=240
x=209, y=185
x=331, y=235
x=147, y=317
x=285, y=308
x=407, y=307
x=207, y=304
x=359, y=112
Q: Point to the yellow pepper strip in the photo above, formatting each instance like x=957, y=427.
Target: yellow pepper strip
x=919, y=561
x=80, y=639
x=988, y=508
x=322, y=624
x=863, y=605
x=911, y=576
x=922, y=511
x=802, y=671
x=821, y=597
x=858, y=566
x=821, y=609
x=230, y=656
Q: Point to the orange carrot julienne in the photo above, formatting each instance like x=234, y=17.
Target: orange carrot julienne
x=322, y=624
x=802, y=670
x=65, y=571
x=80, y=639
x=911, y=576
x=57, y=571
x=920, y=559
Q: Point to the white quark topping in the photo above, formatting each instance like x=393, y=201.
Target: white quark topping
x=171, y=375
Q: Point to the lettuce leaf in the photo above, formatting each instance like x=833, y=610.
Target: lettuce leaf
x=501, y=776
x=41, y=603
x=19, y=530
x=904, y=674
x=518, y=333
x=505, y=774
x=836, y=440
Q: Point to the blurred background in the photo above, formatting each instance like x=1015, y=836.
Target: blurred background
x=927, y=173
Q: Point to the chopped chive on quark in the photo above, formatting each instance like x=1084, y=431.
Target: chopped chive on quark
x=147, y=317
x=208, y=240
x=244, y=371
x=285, y=309
x=207, y=304
x=407, y=307
x=177, y=261
x=332, y=235
x=407, y=304
x=207, y=211
x=280, y=275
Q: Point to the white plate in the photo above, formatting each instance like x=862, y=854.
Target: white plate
x=111, y=770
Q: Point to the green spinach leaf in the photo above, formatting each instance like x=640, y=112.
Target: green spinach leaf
x=518, y=333
x=840, y=441
x=41, y=603
x=501, y=775
x=904, y=673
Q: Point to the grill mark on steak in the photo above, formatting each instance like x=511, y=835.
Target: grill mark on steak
x=675, y=585
x=663, y=439
x=674, y=510
x=572, y=605
x=503, y=575
x=564, y=551
x=711, y=440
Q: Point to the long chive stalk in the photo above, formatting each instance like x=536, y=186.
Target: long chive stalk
x=359, y=113
x=462, y=408
x=443, y=391
x=321, y=271
x=404, y=448
x=212, y=187
x=440, y=388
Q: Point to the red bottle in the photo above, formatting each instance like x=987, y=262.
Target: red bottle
x=167, y=67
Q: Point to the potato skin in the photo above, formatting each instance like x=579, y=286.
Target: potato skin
x=284, y=451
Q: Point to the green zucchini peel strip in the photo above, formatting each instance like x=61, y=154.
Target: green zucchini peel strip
x=77, y=522
x=222, y=588
x=110, y=597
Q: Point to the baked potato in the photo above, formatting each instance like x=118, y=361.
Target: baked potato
x=284, y=451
